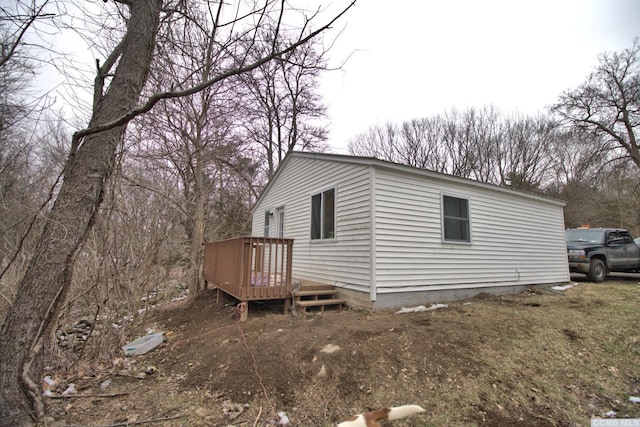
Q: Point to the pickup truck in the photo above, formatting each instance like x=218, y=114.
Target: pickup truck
x=598, y=251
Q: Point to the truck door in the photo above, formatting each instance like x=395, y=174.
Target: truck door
x=616, y=250
x=632, y=253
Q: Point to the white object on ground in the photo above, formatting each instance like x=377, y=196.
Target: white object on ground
x=70, y=389
x=395, y=413
x=330, y=348
x=563, y=288
x=284, y=420
x=421, y=308
x=143, y=345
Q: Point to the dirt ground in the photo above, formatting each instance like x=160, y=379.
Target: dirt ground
x=539, y=358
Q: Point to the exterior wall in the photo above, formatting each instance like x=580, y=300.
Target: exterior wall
x=344, y=260
x=394, y=212
x=515, y=239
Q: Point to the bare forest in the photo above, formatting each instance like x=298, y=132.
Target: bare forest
x=105, y=204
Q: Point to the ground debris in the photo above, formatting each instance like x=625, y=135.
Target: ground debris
x=494, y=368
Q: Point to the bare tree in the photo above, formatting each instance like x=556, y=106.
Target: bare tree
x=420, y=147
x=46, y=280
x=26, y=132
x=16, y=20
x=481, y=144
x=524, y=156
x=608, y=103
x=281, y=104
x=118, y=87
x=379, y=141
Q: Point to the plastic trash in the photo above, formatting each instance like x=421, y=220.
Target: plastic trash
x=143, y=345
x=421, y=308
x=48, y=384
x=563, y=288
x=330, y=348
x=634, y=399
x=284, y=420
x=70, y=389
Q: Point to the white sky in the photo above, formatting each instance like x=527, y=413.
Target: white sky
x=419, y=57
x=415, y=58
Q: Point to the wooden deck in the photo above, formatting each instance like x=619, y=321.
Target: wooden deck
x=250, y=268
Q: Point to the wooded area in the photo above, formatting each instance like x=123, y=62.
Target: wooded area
x=194, y=105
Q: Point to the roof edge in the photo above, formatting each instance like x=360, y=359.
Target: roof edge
x=384, y=164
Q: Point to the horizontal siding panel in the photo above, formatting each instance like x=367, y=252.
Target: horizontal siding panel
x=515, y=240
x=347, y=259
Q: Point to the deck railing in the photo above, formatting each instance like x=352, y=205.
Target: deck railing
x=250, y=268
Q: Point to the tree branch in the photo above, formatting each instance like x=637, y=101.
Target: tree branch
x=153, y=100
x=27, y=25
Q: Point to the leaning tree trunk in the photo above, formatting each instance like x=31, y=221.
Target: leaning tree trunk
x=46, y=282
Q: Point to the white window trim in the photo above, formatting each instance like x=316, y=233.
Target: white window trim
x=457, y=196
x=335, y=213
x=280, y=225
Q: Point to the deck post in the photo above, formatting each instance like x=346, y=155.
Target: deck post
x=243, y=309
x=287, y=305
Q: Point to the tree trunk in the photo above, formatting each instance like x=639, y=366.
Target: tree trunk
x=45, y=284
x=197, y=230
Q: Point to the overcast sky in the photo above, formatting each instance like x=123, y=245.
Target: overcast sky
x=417, y=58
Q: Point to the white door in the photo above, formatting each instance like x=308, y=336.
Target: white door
x=279, y=218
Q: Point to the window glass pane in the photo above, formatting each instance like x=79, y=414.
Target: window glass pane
x=281, y=223
x=266, y=224
x=316, y=204
x=329, y=211
x=456, y=229
x=456, y=208
x=456, y=219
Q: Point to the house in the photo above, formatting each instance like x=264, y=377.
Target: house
x=387, y=235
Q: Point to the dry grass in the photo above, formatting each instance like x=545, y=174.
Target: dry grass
x=538, y=358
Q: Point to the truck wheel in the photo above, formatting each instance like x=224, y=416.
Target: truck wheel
x=597, y=271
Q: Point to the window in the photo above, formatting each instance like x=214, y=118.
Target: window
x=323, y=212
x=456, y=223
x=267, y=223
x=280, y=224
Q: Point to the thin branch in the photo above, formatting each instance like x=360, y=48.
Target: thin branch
x=22, y=32
x=153, y=100
x=81, y=396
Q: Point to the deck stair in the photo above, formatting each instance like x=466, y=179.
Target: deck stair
x=316, y=296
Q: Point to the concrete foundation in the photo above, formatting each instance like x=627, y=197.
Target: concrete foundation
x=413, y=299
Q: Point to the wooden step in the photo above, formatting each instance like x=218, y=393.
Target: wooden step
x=312, y=286
x=320, y=302
x=312, y=293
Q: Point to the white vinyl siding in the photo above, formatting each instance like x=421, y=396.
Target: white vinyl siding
x=389, y=228
x=517, y=239
x=343, y=260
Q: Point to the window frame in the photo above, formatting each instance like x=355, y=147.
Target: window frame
x=280, y=219
x=266, y=229
x=322, y=215
x=444, y=218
